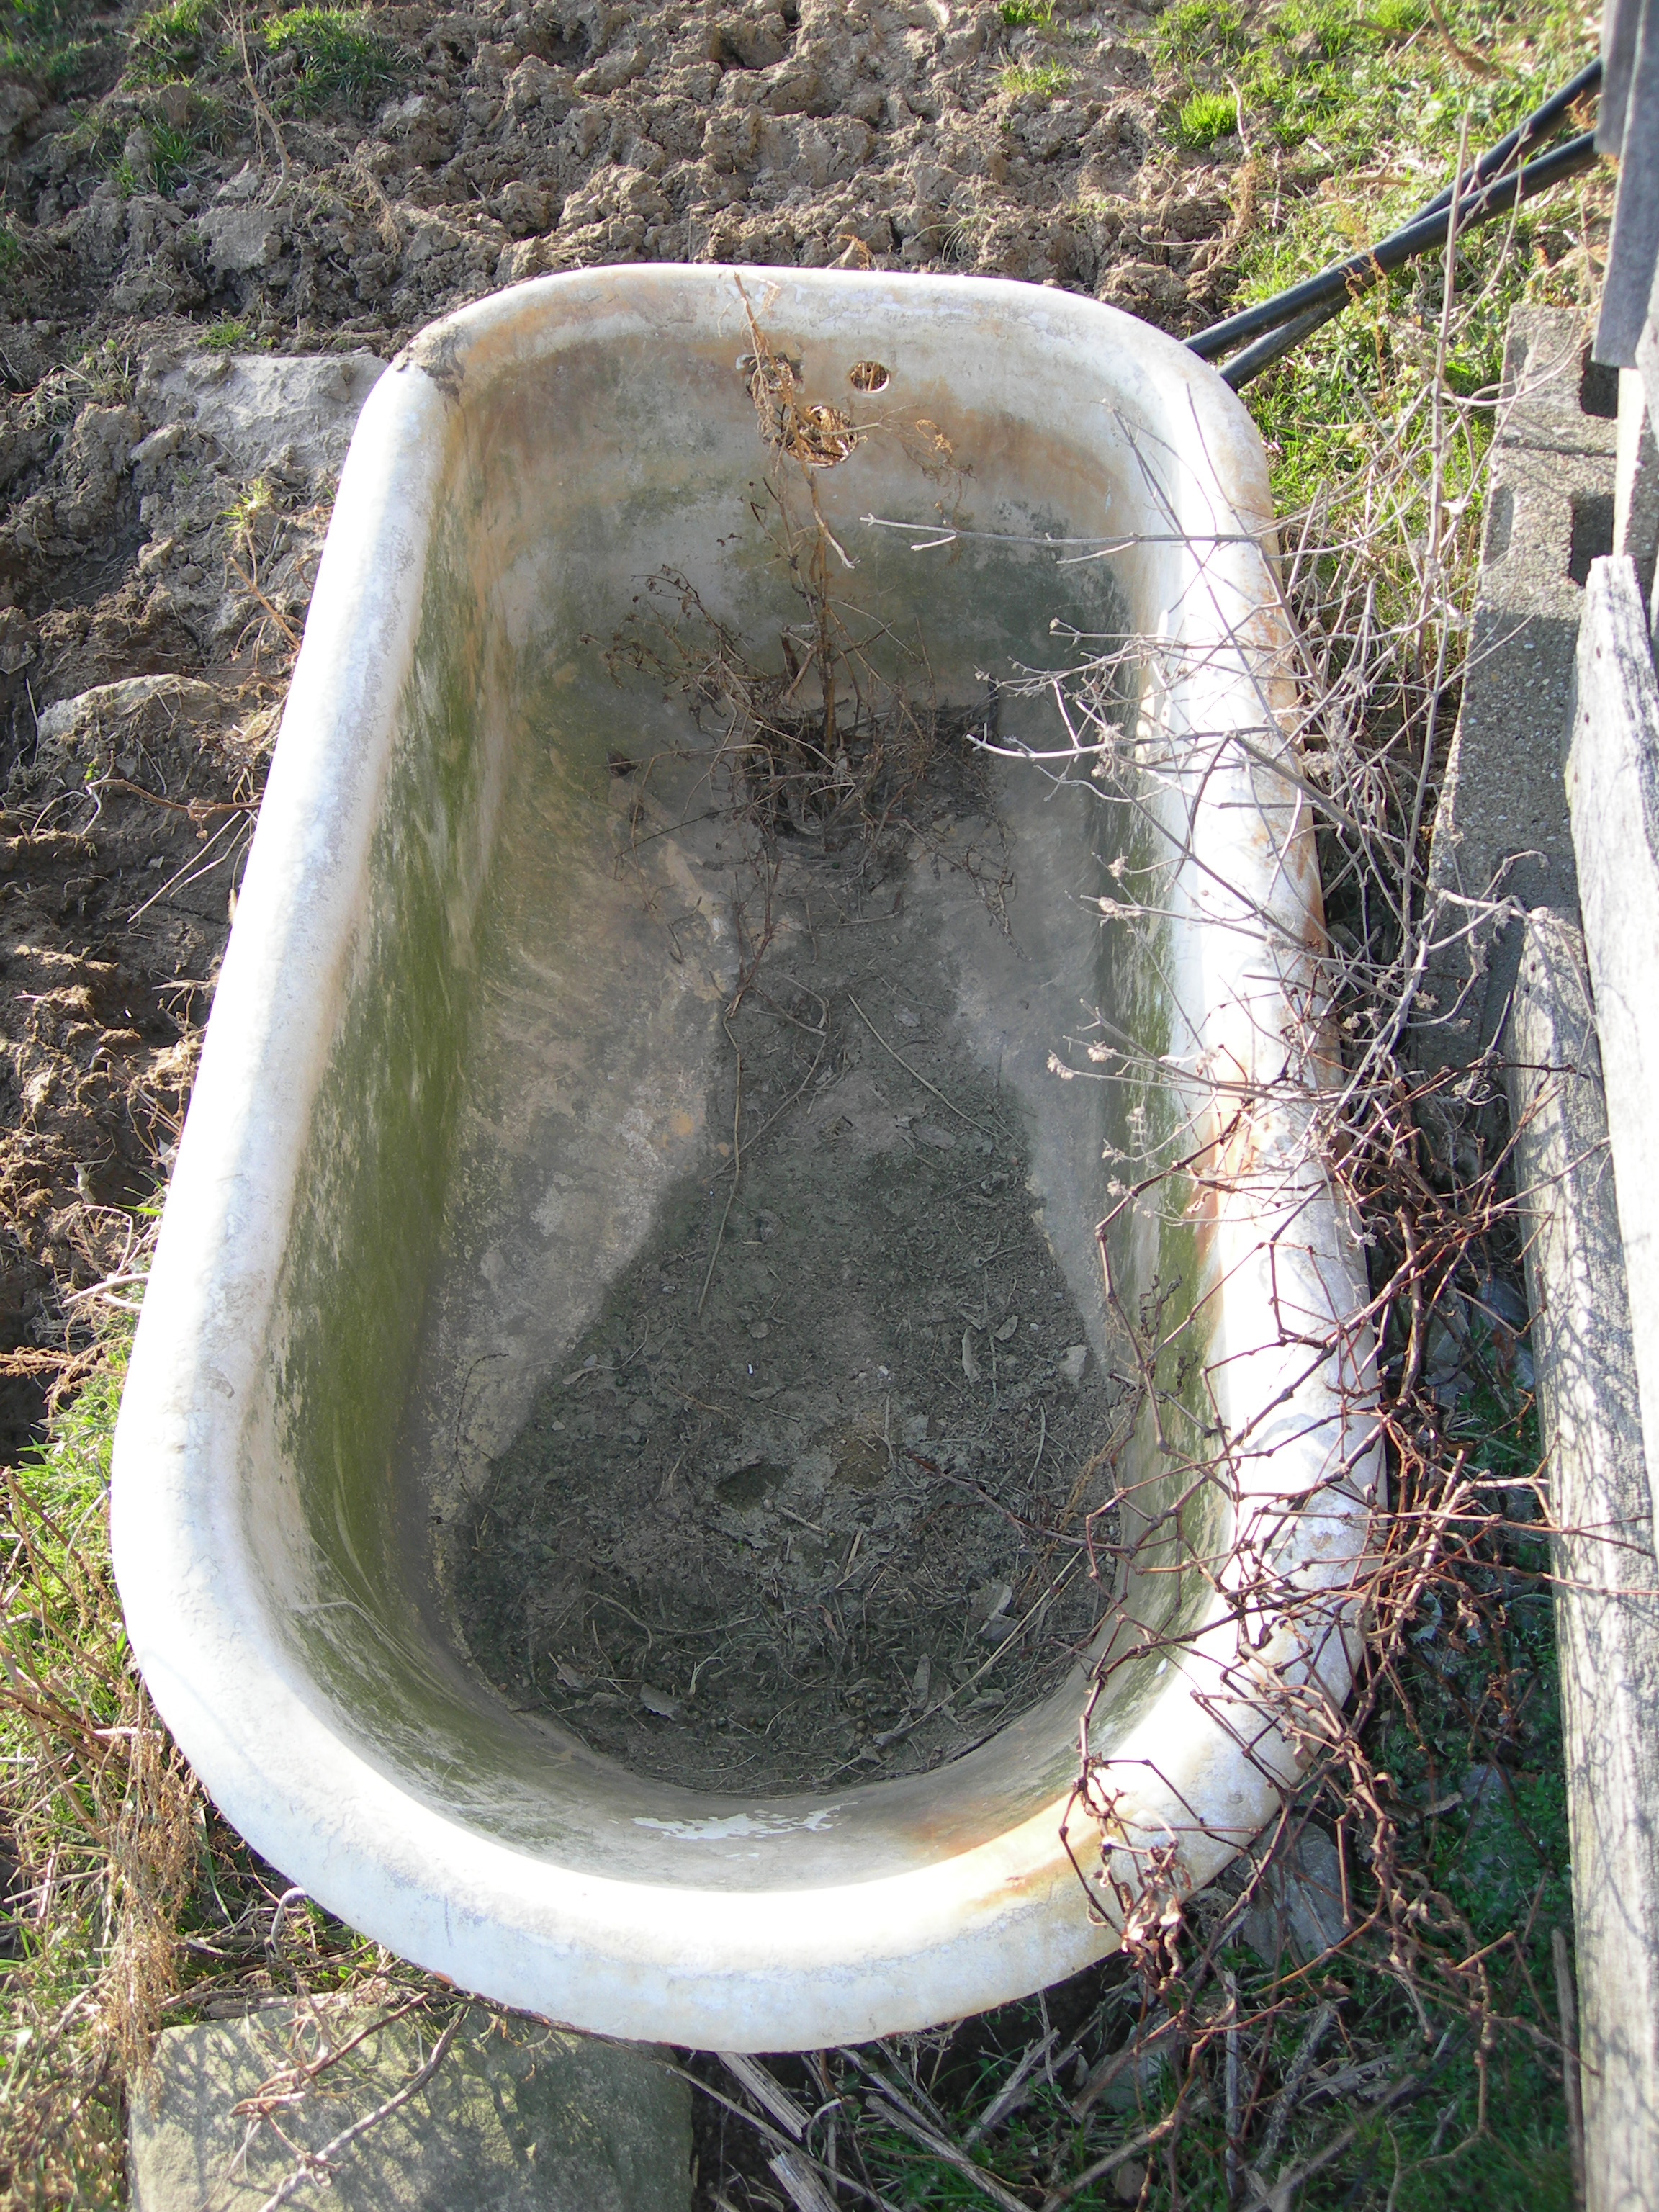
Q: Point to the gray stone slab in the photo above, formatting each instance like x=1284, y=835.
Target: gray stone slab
x=1501, y=824
x=1606, y=1612
x=519, y=2117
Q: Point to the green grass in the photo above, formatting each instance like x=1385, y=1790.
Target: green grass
x=1022, y=15
x=229, y=336
x=50, y=39
x=340, y=56
x=1367, y=84
x=171, y=152
x=1206, y=117
x=1361, y=108
x=1038, y=80
x=67, y=1673
x=148, y=1888
x=170, y=43
x=1201, y=33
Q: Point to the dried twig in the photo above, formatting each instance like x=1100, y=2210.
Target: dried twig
x=916, y=1078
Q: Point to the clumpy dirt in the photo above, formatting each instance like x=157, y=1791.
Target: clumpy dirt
x=169, y=194
x=807, y=1502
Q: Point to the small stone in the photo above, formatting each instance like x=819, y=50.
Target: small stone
x=107, y=707
x=1157, y=2048
x=990, y=1600
x=240, y=238
x=658, y=1702
x=929, y=1132
x=16, y=647
x=1071, y=1363
x=1298, y=1902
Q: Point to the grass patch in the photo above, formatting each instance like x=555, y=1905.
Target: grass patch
x=170, y=43
x=163, y=155
x=230, y=336
x=1026, y=15
x=1201, y=33
x=124, y=1899
x=69, y=1773
x=171, y=153
x=339, y=55
x=1357, y=87
x=1035, y=80
x=1206, y=117
x=51, y=41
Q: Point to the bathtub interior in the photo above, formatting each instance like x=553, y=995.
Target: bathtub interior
x=512, y=1012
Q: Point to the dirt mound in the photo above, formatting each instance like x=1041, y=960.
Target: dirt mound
x=364, y=178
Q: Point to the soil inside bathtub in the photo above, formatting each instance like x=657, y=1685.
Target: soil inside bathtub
x=808, y=1500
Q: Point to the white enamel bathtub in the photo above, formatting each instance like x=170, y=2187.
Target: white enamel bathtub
x=356, y=1220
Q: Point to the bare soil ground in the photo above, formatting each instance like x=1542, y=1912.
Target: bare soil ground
x=186, y=178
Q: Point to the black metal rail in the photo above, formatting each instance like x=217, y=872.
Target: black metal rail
x=1491, y=187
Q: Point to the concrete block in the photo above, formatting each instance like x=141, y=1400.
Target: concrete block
x=1501, y=824
x=1613, y=787
x=1606, y=1610
x=518, y=2117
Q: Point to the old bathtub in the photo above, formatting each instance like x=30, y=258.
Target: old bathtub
x=453, y=1063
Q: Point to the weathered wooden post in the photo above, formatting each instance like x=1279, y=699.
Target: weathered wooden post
x=1608, y=1615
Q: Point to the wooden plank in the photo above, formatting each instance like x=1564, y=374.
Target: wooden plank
x=1612, y=792
x=1631, y=31
x=1607, y=1614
